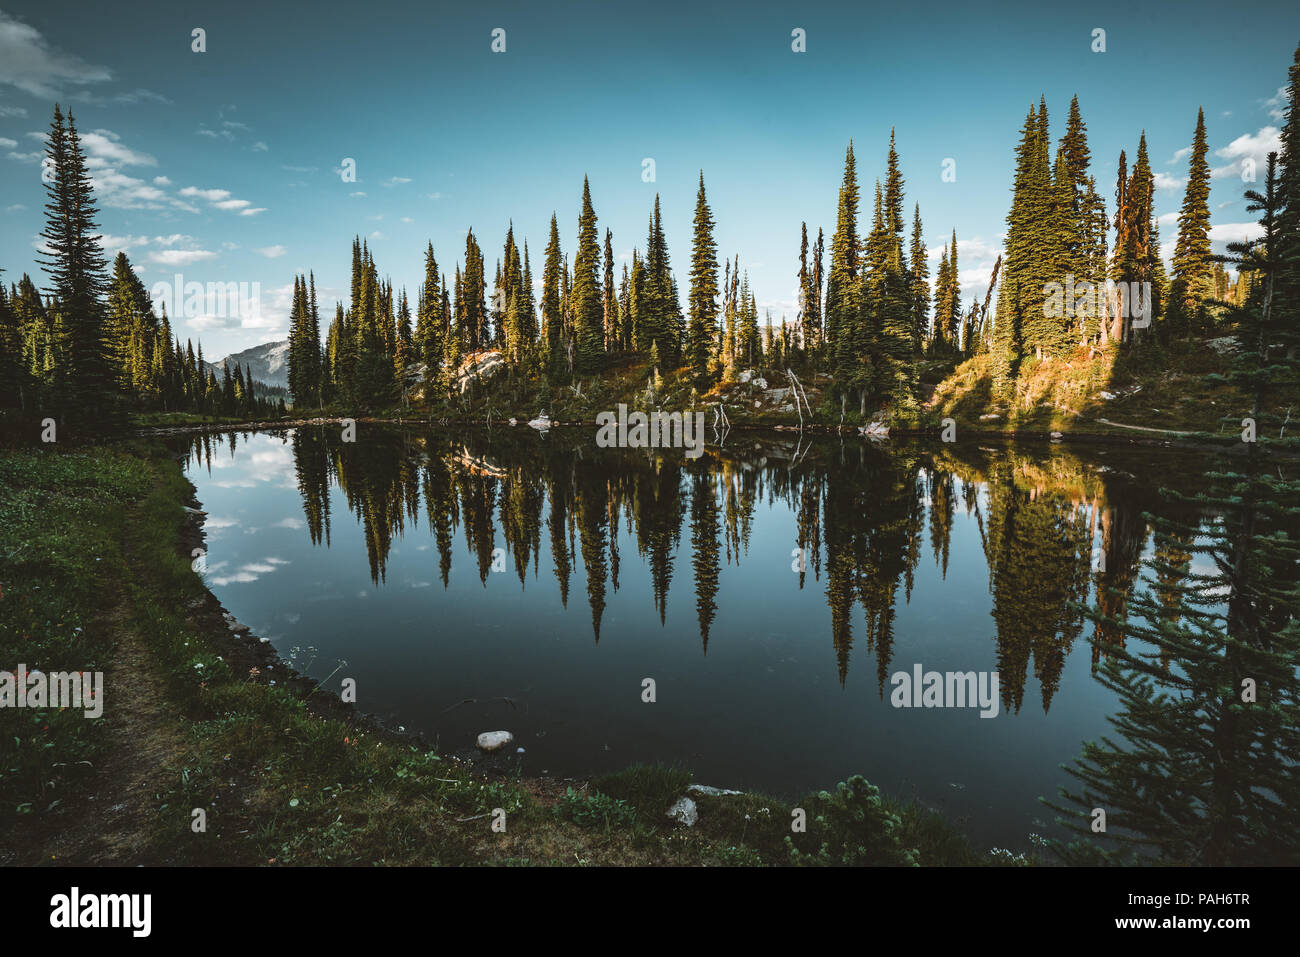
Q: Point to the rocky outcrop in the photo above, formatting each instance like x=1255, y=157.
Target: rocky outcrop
x=478, y=367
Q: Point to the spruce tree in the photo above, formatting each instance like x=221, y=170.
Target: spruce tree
x=1020, y=295
x=1288, y=189
x=1193, y=271
x=588, y=305
x=552, y=320
x=841, y=304
x=611, y=319
x=427, y=338
x=660, y=325
x=702, y=305
x=85, y=390
x=919, y=284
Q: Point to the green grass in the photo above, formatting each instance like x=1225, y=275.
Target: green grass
x=60, y=521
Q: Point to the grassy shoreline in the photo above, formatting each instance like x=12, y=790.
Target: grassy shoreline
x=95, y=566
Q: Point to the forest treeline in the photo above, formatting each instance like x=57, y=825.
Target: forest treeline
x=92, y=346
x=868, y=313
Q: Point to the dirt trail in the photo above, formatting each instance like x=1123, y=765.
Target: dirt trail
x=105, y=816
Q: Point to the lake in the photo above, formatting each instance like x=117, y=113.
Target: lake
x=771, y=590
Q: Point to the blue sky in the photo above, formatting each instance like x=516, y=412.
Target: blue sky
x=222, y=165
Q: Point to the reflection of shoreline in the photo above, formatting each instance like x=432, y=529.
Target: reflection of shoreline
x=1168, y=440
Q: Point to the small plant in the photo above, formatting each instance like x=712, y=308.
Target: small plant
x=595, y=810
x=858, y=827
x=733, y=856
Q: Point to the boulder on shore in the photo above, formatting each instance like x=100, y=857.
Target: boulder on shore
x=494, y=740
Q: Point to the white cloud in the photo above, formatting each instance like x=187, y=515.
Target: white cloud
x=1235, y=232
x=7, y=143
x=1277, y=104
x=1252, y=146
x=107, y=145
x=30, y=64
x=211, y=195
x=115, y=188
x=161, y=181
x=259, y=147
x=397, y=180
x=272, y=252
x=221, y=199
x=139, y=96
x=115, y=244
x=12, y=111
x=180, y=257
x=1165, y=181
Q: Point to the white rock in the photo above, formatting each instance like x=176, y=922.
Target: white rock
x=684, y=812
x=989, y=417
x=492, y=740
x=760, y=383
x=745, y=376
x=542, y=423
x=514, y=421
x=1107, y=395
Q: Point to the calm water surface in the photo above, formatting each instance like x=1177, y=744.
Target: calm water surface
x=771, y=588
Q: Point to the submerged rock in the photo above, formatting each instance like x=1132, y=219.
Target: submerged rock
x=684, y=812
x=494, y=740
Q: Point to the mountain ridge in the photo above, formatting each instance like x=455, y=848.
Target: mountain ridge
x=268, y=363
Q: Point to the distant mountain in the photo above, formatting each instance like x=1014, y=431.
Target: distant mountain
x=268, y=363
